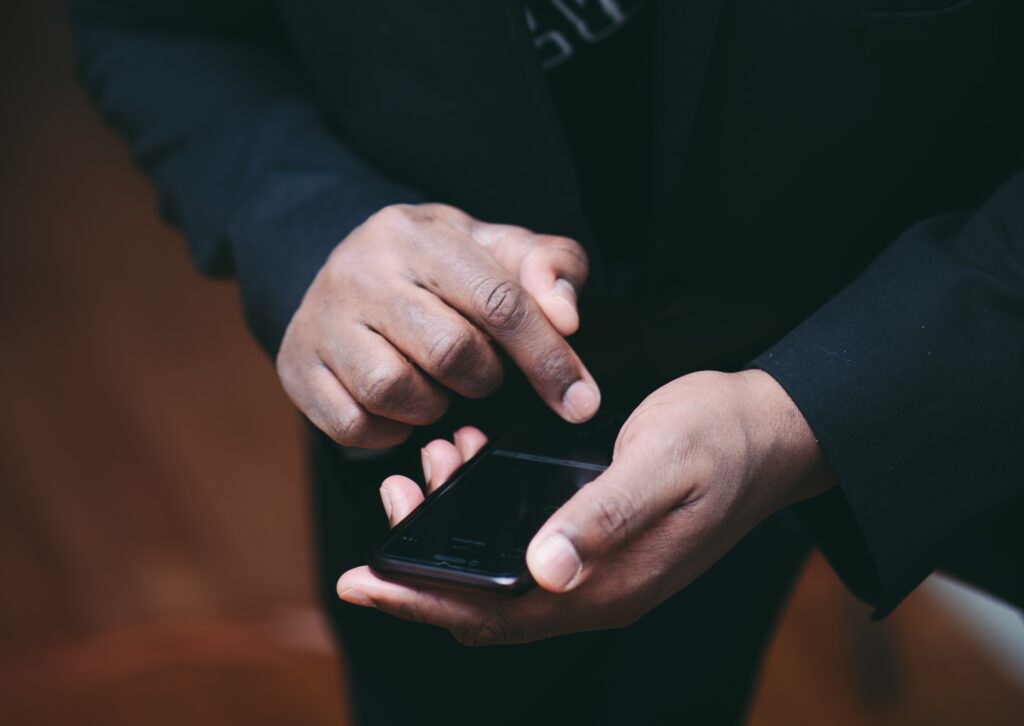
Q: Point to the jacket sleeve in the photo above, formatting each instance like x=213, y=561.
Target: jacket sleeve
x=217, y=111
x=912, y=378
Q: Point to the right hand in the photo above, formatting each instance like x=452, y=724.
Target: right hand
x=406, y=308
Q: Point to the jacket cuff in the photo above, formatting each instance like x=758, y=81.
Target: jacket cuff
x=903, y=378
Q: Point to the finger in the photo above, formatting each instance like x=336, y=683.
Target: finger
x=472, y=622
x=328, y=405
x=601, y=517
x=549, y=267
x=469, y=440
x=382, y=380
x=440, y=459
x=503, y=309
x=442, y=343
x=399, y=495
x=552, y=271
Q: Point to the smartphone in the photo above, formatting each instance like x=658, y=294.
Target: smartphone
x=472, y=532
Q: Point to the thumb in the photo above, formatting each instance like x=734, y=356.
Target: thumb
x=600, y=518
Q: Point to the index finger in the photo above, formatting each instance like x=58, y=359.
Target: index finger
x=551, y=268
x=496, y=303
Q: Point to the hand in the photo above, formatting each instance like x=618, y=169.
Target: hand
x=697, y=465
x=406, y=308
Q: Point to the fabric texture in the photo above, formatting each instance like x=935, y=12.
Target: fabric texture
x=835, y=195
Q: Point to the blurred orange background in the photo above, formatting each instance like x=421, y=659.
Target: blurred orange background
x=154, y=544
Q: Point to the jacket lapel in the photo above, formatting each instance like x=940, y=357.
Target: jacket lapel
x=560, y=172
x=687, y=31
x=502, y=153
x=687, y=36
x=493, y=59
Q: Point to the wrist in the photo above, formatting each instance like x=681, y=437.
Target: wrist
x=788, y=465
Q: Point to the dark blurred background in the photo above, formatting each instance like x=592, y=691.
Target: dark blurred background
x=154, y=554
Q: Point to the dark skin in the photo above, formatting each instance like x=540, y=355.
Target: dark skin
x=696, y=466
x=411, y=305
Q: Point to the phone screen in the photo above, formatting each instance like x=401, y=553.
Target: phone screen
x=482, y=520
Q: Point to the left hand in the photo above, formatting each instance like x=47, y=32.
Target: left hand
x=696, y=466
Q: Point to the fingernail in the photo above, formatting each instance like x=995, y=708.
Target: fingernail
x=564, y=295
x=581, y=401
x=385, y=498
x=425, y=461
x=565, y=291
x=554, y=562
x=357, y=597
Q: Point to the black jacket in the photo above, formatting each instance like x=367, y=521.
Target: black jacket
x=837, y=198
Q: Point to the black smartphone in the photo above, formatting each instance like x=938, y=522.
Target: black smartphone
x=474, y=529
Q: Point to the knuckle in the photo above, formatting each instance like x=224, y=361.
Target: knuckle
x=349, y=428
x=491, y=630
x=558, y=366
x=399, y=213
x=389, y=216
x=570, y=248
x=423, y=410
x=503, y=305
x=485, y=380
x=437, y=210
x=403, y=218
x=612, y=513
x=383, y=385
x=432, y=408
x=452, y=354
